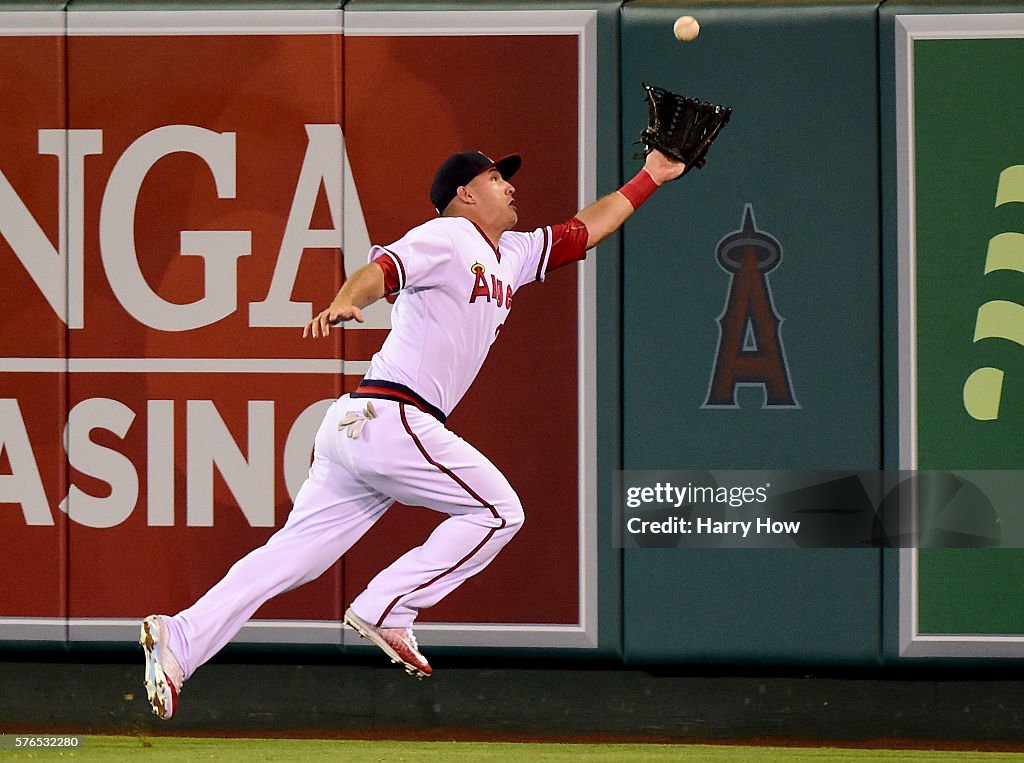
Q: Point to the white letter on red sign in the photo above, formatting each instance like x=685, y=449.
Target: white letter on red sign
x=23, y=485
x=105, y=464
x=321, y=166
x=210, y=445
x=220, y=250
x=56, y=270
x=160, y=463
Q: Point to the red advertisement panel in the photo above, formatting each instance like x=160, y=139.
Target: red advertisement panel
x=218, y=171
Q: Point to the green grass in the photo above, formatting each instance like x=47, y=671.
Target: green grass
x=117, y=748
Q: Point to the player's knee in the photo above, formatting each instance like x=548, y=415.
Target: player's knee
x=511, y=512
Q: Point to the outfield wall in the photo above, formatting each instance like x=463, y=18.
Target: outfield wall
x=181, y=188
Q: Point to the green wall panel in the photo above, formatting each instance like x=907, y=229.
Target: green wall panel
x=941, y=209
x=802, y=151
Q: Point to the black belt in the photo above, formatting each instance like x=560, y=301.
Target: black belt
x=387, y=390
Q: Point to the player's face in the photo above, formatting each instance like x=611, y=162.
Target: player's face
x=495, y=198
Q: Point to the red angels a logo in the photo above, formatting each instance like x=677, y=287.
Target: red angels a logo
x=750, y=350
x=497, y=291
x=480, y=284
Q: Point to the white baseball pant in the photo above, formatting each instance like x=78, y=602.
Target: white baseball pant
x=404, y=454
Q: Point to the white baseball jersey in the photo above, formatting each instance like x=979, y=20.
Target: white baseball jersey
x=455, y=291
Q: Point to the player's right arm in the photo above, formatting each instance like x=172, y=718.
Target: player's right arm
x=607, y=214
x=362, y=289
x=571, y=240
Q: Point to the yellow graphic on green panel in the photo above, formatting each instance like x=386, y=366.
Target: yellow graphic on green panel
x=999, y=318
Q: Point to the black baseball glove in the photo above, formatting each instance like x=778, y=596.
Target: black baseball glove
x=680, y=127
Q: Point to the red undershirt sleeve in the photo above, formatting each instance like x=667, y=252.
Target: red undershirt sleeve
x=568, y=243
x=387, y=264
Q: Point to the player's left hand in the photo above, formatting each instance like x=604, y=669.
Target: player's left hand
x=662, y=168
x=332, y=316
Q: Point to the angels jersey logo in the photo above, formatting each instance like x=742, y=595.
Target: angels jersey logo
x=750, y=350
x=493, y=289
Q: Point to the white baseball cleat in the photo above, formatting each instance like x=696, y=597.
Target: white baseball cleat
x=398, y=643
x=164, y=675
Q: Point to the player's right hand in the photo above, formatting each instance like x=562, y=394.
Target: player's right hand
x=332, y=316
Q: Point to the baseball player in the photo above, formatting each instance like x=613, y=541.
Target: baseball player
x=454, y=278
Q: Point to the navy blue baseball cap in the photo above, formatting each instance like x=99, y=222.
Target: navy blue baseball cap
x=458, y=169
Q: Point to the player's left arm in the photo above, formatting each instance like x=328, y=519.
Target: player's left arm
x=362, y=289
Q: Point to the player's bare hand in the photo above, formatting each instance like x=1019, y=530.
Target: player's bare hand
x=662, y=168
x=321, y=324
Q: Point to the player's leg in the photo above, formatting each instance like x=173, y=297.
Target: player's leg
x=332, y=510
x=441, y=471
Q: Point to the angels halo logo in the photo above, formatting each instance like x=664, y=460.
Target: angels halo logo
x=750, y=351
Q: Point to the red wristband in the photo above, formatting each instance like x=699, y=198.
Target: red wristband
x=639, y=189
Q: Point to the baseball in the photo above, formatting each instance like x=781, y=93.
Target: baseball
x=686, y=28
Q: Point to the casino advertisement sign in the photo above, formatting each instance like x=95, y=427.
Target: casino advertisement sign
x=179, y=192
x=960, y=86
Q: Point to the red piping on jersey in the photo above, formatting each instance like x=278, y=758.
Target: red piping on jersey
x=544, y=255
x=472, y=494
x=399, y=393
